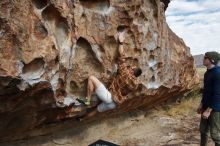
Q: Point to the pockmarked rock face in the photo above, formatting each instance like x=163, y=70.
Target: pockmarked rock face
x=48, y=48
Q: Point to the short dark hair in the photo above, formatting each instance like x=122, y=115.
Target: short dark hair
x=137, y=72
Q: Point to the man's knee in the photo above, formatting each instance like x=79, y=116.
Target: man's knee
x=92, y=77
x=95, y=81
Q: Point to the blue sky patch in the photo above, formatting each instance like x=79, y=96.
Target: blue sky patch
x=197, y=22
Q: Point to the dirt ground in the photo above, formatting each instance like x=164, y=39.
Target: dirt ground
x=173, y=124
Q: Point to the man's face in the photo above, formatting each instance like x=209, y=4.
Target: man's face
x=206, y=61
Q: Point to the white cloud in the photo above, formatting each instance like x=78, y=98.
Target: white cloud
x=197, y=22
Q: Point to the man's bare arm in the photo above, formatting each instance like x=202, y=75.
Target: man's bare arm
x=121, y=50
x=121, y=39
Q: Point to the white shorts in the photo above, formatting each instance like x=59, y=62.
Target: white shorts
x=106, y=97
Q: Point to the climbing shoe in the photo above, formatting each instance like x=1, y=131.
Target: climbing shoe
x=84, y=101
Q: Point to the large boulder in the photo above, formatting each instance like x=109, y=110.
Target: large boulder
x=50, y=47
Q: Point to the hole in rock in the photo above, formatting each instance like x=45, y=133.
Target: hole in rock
x=152, y=62
x=85, y=64
x=39, y=4
x=57, y=59
x=83, y=15
x=159, y=73
x=34, y=65
x=98, y=5
x=83, y=44
x=151, y=57
x=153, y=79
x=160, y=64
x=155, y=14
x=34, y=69
x=51, y=14
x=121, y=28
x=62, y=25
x=41, y=30
x=152, y=83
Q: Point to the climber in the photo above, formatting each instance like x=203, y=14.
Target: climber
x=209, y=107
x=123, y=83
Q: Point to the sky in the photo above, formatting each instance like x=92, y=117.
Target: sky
x=197, y=22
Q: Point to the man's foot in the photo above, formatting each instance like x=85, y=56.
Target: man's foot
x=84, y=101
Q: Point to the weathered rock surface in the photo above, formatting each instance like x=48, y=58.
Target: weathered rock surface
x=49, y=48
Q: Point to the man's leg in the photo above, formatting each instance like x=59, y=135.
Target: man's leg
x=93, y=84
x=214, y=120
x=204, y=128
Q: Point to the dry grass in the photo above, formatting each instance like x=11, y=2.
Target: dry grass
x=186, y=106
x=189, y=103
x=201, y=72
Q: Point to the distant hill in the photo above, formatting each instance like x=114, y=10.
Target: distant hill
x=199, y=60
